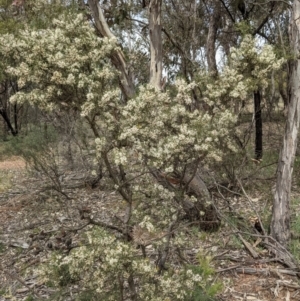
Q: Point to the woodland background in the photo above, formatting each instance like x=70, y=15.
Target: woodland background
x=149, y=150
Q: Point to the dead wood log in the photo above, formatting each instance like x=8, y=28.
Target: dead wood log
x=191, y=182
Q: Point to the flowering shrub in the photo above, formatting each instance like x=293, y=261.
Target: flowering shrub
x=112, y=269
x=164, y=129
x=66, y=66
x=248, y=70
x=255, y=63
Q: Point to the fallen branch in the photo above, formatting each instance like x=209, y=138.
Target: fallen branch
x=253, y=207
x=108, y=226
x=16, y=277
x=248, y=247
x=281, y=253
x=288, y=284
x=263, y=271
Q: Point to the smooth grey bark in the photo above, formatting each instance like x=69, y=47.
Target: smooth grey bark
x=118, y=58
x=155, y=32
x=280, y=223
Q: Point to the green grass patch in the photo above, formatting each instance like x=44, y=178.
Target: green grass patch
x=295, y=229
x=30, y=298
x=205, y=269
x=2, y=247
x=5, y=181
x=2, y=292
x=294, y=248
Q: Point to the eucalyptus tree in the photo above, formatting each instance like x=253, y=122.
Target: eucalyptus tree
x=280, y=224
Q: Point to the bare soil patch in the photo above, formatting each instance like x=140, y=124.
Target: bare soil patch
x=13, y=163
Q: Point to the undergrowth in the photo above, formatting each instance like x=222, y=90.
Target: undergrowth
x=295, y=229
x=5, y=181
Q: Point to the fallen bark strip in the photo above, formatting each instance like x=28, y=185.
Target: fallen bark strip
x=246, y=261
x=288, y=284
x=228, y=268
x=264, y=271
x=281, y=253
x=248, y=247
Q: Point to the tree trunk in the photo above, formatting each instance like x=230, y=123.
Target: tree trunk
x=8, y=123
x=155, y=44
x=117, y=58
x=16, y=119
x=280, y=223
x=258, y=125
x=211, y=39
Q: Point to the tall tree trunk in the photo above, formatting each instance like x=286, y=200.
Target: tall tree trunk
x=258, y=125
x=117, y=58
x=211, y=39
x=16, y=118
x=155, y=43
x=280, y=223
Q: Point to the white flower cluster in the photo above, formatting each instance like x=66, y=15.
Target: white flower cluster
x=255, y=63
x=63, y=65
x=120, y=156
x=108, y=264
x=249, y=69
x=163, y=129
x=146, y=223
x=154, y=213
x=67, y=65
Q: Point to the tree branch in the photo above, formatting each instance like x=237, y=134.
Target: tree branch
x=117, y=58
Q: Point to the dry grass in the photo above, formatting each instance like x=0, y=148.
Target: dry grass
x=12, y=163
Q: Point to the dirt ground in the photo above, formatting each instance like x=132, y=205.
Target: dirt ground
x=28, y=222
x=14, y=163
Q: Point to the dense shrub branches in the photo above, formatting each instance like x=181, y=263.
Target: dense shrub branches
x=160, y=134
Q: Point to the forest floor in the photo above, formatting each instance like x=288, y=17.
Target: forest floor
x=34, y=222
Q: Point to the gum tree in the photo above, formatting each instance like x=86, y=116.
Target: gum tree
x=280, y=224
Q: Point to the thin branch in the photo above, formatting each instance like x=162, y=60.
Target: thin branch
x=105, y=225
x=252, y=206
x=14, y=276
x=162, y=260
x=136, y=20
x=133, y=178
x=266, y=19
x=115, y=178
x=228, y=12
